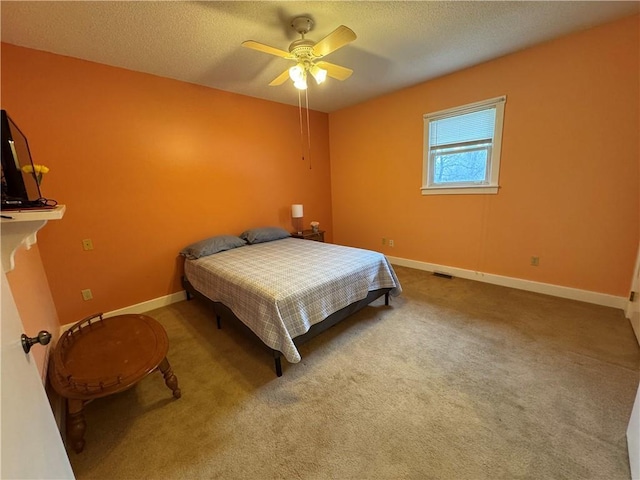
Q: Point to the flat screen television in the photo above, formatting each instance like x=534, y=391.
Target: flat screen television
x=20, y=189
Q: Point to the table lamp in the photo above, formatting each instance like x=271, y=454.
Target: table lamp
x=297, y=214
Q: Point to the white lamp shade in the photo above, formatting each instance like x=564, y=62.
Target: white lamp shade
x=297, y=211
x=320, y=74
x=296, y=72
x=300, y=84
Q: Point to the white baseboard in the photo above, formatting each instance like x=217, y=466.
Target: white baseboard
x=141, y=307
x=149, y=304
x=529, y=285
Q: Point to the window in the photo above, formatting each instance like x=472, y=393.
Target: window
x=462, y=148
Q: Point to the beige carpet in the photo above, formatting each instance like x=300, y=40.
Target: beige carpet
x=455, y=380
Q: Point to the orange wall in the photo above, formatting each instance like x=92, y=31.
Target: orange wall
x=569, y=170
x=146, y=165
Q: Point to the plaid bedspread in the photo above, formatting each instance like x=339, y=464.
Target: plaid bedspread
x=280, y=289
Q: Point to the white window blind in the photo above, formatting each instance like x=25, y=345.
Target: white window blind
x=460, y=130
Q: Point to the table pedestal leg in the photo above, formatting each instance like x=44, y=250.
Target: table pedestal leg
x=76, y=424
x=169, y=378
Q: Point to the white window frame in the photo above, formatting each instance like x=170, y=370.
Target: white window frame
x=490, y=186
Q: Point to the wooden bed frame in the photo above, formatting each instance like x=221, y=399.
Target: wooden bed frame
x=222, y=311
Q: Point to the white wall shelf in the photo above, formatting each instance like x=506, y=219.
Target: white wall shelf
x=21, y=229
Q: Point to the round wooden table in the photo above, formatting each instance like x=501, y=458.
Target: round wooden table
x=99, y=356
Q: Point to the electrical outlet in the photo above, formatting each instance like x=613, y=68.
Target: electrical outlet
x=391, y=243
x=87, y=244
x=384, y=241
x=86, y=294
x=535, y=261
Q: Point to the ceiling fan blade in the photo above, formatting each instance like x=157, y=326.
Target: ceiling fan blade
x=261, y=47
x=335, y=71
x=332, y=42
x=280, y=79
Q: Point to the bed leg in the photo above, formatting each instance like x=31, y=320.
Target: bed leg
x=218, y=322
x=276, y=357
x=386, y=299
x=188, y=295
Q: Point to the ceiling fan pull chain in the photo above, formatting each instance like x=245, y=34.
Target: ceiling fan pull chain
x=301, y=128
x=306, y=98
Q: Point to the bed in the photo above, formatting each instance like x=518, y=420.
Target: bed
x=288, y=290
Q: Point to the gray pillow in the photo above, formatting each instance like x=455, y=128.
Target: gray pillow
x=264, y=234
x=212, y=245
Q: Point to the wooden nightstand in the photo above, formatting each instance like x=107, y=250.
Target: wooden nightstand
x=310, y=235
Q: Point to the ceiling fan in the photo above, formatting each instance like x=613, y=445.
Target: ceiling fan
x=306, y=54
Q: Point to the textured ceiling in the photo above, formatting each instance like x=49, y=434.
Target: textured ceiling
x=399, y=44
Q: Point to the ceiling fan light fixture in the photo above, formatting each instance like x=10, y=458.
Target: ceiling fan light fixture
x=296, y=73
x=301, y=84
x=320, y=74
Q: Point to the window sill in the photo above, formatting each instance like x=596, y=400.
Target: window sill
x=474, y=190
